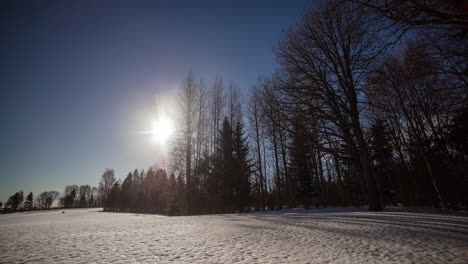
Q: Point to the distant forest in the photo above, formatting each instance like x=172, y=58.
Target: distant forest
x=368, y=107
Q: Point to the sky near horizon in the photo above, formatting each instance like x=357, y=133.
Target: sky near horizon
x=79, y=78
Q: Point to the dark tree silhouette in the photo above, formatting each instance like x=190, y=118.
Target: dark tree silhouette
x=46, y=199
x=69, y=196
x=241, y=168
x=355, y=115
x=105, y=186
x=225, y=152
x=15, y=201
x=300, y=164
x=28, y=203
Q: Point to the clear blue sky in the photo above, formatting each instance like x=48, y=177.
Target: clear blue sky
x=78, y=77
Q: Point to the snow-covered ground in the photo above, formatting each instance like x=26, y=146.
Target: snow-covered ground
x=302, y=236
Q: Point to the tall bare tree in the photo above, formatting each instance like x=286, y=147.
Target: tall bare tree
x=327, y=58
x=254, y=117
x=105, y=185
x=46, y=199
x=217, y=105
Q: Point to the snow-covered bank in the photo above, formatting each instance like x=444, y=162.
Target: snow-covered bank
x=294, y=236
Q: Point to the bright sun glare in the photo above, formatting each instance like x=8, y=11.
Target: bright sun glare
x=162, y=129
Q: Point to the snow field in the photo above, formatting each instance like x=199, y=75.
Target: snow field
x=295, y=236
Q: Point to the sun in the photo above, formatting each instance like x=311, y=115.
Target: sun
x=162, y=129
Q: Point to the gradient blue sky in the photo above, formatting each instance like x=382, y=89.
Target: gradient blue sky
x=78, y=78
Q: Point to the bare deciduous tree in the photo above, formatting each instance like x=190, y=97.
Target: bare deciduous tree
x=106, y=184
x=46, y=199
x=327, y=58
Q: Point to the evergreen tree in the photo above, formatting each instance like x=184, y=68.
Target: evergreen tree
x=459, y=133
x=69, y=196
x=241, y=168
x=381, y=156
x=15, y=201
x=299, y=164
x=28, y=204
x=380, y=148
x=172, y=203
x=126, y=193
x=155, y=190
x=214, y=188
x=225, y=152
x=114, y=197
x=162, y=189
x=181, y=195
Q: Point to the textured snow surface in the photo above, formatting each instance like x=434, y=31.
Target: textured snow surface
x=294, y=236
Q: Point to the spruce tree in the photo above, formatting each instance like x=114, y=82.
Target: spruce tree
x=126, y=194
x=15, y=201
x=241, y=168
x=381, y=157
x=225, y=151
x=28, y=204
x=299, y=164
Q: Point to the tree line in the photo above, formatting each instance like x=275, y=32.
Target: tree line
x=368, y=107
x=74, y=196
x=220, y=183
x=17, y=202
